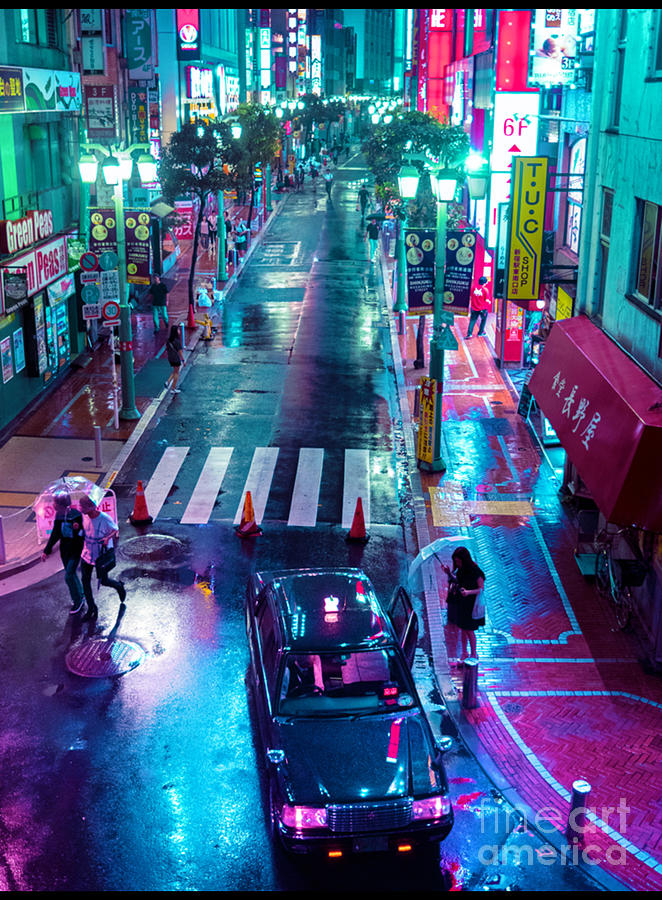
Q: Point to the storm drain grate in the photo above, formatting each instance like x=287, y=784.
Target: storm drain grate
x=104, y=658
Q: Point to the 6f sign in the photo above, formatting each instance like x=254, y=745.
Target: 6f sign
x=526, y=227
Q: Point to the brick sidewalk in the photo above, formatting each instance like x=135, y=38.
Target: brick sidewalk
x=562, y=694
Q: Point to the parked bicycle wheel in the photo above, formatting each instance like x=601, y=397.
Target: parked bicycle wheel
x=623, y=607
x=602, y=573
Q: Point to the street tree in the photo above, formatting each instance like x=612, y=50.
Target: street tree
x=315, y=111
x=257, y=146
x=193, y=165
x=408, y=135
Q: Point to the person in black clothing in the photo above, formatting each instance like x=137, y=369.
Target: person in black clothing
x=175, y=354
x=159, y=294
x=466, y=583
x=68, y=530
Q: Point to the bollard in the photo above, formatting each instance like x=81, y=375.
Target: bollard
x=98, y=454
x=470, y=684
x=577, y=818
x=3, y=552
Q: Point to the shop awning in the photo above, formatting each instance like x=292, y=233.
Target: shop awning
x=607, y=413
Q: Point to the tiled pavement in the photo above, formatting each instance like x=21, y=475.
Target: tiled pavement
x=562, y=695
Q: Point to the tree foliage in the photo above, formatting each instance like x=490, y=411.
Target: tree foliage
x=389, y=146
x=260, y=131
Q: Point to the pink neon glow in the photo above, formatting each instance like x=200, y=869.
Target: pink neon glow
x=394, y=741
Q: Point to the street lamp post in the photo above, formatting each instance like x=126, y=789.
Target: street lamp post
x=116, y=172
x=408, y=179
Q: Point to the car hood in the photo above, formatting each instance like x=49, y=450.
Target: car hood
x=354, y=759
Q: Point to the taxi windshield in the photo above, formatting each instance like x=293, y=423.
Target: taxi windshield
x=363, y=681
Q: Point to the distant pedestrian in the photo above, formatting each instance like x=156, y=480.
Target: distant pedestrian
x=175, y=353
x=299, y=179
x=372, y=231
x=479, y=304
x=328, y=183
x=314, y=174
x=469, y=611
x=159, y=294
x=101, y=535
x=213, y=232
x=241, y=236
x=68, y=530
x=204, y=233
x=363, y=198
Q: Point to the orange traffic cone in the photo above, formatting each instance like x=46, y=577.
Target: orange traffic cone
x=140, y=514
x=191, y=317
x=357, y=531
x=248, y=527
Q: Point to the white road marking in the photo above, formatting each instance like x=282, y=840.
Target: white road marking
x=305, y=496
x=163, y=478
x=259, y=482
x=206, y=490
x=356, y=484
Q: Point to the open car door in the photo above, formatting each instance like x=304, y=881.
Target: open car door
x=405, y=622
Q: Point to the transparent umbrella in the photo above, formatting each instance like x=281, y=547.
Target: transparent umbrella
x=71, y=486
x=420, y=569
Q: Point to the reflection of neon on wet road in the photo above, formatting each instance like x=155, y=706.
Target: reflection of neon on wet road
x=464, y=801
x=394, y=741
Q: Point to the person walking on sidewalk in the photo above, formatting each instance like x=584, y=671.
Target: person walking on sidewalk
x=213, y=233
x=328, y=183
x=470, y=580
x=175, y=354
x=204, y=233
x=98, y=553
x=479, y=306
x=68, y=530
x=241, y=237
x=363, y=198
x=372, y=231
x=159, y=294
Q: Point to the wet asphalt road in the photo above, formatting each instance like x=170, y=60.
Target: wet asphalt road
x=154, y=781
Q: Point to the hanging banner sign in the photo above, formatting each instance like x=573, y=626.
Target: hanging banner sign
x=103, y=231
x=419, y=253
x=137, y=243
x=138, y=114
x=139, y=52
x=529, y=195
x=458, y=276
x=425, y=443
x=100, y=111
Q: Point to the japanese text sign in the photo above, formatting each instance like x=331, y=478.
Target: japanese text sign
x=526, y=227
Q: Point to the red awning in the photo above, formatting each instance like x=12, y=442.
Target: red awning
x=607, y=413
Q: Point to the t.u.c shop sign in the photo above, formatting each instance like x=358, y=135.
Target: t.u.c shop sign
x=529, y=194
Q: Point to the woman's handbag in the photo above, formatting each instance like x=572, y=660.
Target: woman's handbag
x=106, y=560
x=478, y=611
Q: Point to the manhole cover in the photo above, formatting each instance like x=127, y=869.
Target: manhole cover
x=104, y=659
x=160, y=548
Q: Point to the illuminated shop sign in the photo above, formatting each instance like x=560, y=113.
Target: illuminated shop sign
x=554, y=47
x=199, y=83
x=188, y=34
x=22, y=233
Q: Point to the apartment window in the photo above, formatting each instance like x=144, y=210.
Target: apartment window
x=617, y=91
x=648, y=273
x=26, y=26
x=656, y=58
x=605, y=236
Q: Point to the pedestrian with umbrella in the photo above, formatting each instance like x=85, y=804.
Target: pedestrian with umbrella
x=68, y=530
x=466, y=583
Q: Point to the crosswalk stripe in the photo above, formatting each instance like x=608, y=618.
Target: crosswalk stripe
x=259, y=481
x=305, y=496
x=207, y=487
x=356, y=484
x=163, y=478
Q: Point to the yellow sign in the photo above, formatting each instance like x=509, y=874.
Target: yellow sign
x=563, y=305
x=425, y=444
x=526, y=227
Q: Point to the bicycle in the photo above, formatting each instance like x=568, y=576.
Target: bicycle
x=615, y=575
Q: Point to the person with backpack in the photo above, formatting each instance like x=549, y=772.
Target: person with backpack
x=68, y=530
x=98, y=555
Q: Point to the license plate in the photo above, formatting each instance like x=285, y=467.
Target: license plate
x=370, y=845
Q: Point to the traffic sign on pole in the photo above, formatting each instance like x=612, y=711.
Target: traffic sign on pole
x=89, y=261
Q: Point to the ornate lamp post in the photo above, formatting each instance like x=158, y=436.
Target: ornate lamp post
x=116, y=170
x=408, y=178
